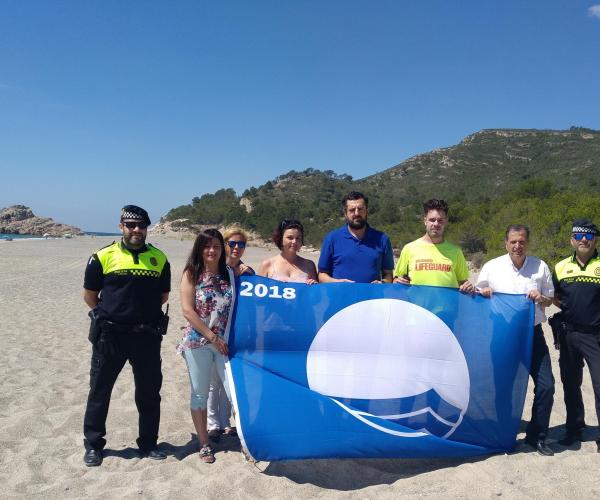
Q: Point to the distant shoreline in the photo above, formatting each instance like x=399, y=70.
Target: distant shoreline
x=15, y=236
x=99, y=233
x=6, y=236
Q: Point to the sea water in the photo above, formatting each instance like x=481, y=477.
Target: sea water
x=6, y=236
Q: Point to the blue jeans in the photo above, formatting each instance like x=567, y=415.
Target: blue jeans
x=200, y=362
x=543, y=381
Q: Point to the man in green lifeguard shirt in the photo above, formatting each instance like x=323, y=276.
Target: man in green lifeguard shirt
x=430, y=260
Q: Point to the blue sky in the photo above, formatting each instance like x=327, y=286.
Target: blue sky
x=104, y=103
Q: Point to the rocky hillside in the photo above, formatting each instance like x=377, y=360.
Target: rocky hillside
x=491, y=162
x=543, y=178
x=19, y=219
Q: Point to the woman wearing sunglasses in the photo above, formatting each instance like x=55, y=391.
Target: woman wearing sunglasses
x=288, y=265
x=219, y=407
x=235, y=241
x=206, y=300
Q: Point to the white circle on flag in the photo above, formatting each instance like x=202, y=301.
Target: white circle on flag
x=387, y=349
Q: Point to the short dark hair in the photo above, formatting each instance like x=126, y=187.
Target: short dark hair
x=517, y=228
x=435, y=204
x=354, y=195
x=277, y=236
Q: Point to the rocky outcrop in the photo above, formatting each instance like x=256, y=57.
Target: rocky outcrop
x=19, y=219
x=179, y=229
x=246, y=203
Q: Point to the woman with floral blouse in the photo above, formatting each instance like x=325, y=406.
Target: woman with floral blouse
x=207, y=300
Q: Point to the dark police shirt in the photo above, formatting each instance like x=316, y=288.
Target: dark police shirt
x=131, y=283
x=579, y=289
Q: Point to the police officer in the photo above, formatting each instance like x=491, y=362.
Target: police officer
x=577, y=293
x=125, y=285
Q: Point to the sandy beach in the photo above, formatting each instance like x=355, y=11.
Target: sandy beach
x=44, y=377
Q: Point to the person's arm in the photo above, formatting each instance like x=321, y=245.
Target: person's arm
x=325, y=266
x=188, y=295
x=556, y=299
x=90, y=297
x=466, y=286
x=313, y=277
x=387, y=262
x=462, y=274
x=246, y=269
x=265, y=267
x=483, y=282
x=401, y=269
x=539, y=298
x=387, y=275
x=325, y=278
x=556, y=285
x=93, y=281
x=165, y=282
x=542, y=294
x=544, y=291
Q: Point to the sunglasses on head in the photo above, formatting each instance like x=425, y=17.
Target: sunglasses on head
x=581, y=236
x=133, y=225
x=233, y=244
x=286, y=223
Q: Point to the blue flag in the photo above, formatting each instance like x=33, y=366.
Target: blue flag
x=359, y=370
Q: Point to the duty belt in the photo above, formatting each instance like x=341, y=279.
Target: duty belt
x=141, y=328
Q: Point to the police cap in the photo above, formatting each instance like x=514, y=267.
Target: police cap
x=584, y=226
x=133, y=212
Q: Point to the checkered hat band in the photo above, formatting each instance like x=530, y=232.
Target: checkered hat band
x=131, y=216
x=581, y=229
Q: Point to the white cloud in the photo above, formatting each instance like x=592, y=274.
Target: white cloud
x=594, y=11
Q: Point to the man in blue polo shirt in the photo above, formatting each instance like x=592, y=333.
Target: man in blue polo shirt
x=356, y=253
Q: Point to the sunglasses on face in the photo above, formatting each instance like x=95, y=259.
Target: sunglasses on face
x=581, y=236
x=133, y=225
x=233, y=244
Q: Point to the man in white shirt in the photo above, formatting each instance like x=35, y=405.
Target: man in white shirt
x=518, y=273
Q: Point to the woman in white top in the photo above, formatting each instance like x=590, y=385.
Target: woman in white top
x=288, y=265
x=219, y=407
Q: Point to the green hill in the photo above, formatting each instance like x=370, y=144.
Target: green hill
x=543, y=178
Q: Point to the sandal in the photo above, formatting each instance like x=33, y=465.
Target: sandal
x=230, y=431
x=206, y=454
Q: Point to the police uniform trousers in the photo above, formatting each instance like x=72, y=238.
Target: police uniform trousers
x=543, y=392
x=575, y=347
x=143, y=353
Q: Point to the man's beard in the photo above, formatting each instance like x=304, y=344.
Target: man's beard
x=141, y=240
x=359, y=224
x=434, y=234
